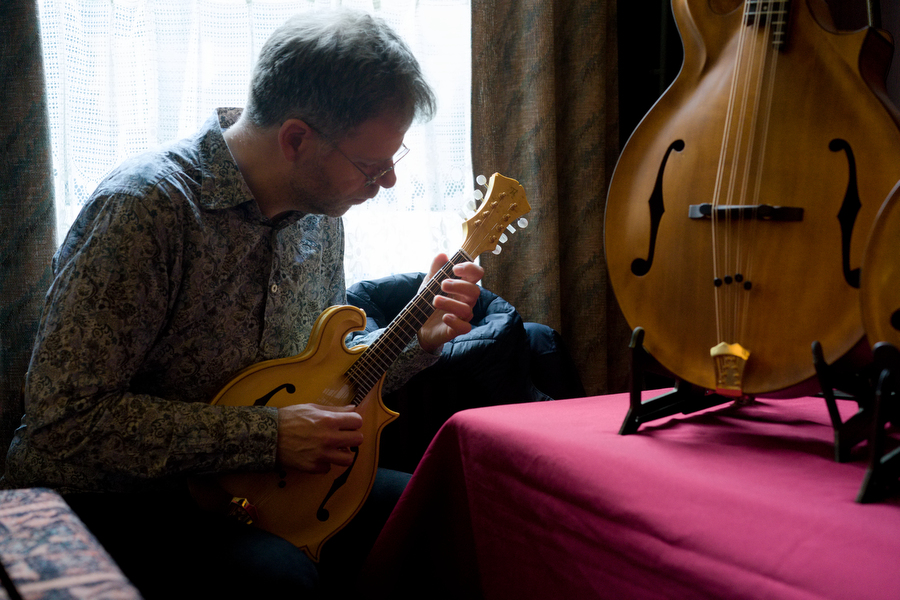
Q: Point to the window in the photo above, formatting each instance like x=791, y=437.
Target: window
x=124, y=76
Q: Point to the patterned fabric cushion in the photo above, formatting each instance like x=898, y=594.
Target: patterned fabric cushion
x=48, y=553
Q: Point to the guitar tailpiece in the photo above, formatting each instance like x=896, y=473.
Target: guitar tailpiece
x=242, y=510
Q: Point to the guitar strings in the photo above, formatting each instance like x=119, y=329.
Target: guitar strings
x=374, y=362
x=769, y=63
x=381, y=354
x=717, y=189
x=742, y=160
x=749, y=104
x=365, y=373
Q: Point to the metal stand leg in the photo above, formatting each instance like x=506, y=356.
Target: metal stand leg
x=685, y=398
x=881, y=478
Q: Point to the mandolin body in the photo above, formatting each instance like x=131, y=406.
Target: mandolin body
x=810, y=129
x=880, y=286
x=306, y=509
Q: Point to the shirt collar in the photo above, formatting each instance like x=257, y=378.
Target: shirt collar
x=223, y=184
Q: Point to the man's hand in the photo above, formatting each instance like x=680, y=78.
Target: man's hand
x=312, y=437
x=454, y=306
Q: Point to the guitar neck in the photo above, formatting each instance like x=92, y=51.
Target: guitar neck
x=504, y=203
x=773, y=14
x=374, y=362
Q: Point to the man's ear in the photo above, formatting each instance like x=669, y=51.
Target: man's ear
x=296, y=138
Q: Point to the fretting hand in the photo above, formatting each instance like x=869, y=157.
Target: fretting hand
x=454, y=305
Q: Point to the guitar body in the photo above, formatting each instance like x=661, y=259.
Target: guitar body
x=880, y=292
x=306, y=509
x=806, y=127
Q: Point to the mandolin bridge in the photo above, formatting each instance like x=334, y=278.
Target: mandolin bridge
x=756, y=212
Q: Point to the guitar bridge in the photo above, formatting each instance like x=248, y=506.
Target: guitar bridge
x=242, y=510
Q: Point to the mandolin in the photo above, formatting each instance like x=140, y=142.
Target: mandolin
x=880, y=280
x=307, y=509
x=740, y=208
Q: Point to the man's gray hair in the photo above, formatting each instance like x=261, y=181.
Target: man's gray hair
x=336, y=69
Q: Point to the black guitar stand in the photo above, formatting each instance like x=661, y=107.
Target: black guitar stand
x=685, y=398
x=874, y=388
x=840, y=382
x=881, y=478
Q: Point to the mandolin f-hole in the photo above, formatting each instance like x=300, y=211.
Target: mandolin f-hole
x=849, y=210
x=641, y=266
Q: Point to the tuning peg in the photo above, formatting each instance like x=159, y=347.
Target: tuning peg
x=510, y=229
x=496, y=250
x=478, y=195
x=522, y=223
x=481, y=180
x=503, y=238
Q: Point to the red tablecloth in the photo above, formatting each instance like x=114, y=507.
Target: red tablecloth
x=546, y=500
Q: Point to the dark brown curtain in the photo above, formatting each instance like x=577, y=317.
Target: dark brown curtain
x=545, y=112
x=27, y=219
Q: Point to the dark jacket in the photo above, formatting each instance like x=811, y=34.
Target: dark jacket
x=501, y=361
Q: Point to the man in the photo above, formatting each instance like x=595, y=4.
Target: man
x=196, y=261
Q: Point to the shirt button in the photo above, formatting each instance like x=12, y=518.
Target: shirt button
x=274, y=288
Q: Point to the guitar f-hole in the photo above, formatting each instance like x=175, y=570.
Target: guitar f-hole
x=322, y=513
x=289, y=388
x=849, y=210
x=641, y=266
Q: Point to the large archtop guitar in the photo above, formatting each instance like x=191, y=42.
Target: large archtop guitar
x=307, y=509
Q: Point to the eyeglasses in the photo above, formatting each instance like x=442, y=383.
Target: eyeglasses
x=372, y=179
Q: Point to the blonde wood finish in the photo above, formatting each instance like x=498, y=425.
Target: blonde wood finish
x=825, y=86
x=289, y=502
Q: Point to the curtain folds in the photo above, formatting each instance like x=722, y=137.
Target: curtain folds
x=27, y=217
x=545, y=112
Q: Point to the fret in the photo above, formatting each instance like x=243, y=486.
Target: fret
x=375, y=360
x=773, y=13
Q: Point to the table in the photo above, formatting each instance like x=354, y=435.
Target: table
x=546, y=500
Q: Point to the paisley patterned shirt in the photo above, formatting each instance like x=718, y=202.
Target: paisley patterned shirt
x=171, y=281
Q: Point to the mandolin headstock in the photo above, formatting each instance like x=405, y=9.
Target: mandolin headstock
x=504, y=204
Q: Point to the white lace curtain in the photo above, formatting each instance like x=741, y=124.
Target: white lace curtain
x=124, y=76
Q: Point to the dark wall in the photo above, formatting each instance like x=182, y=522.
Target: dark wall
x=650, y=50
x=650, y=55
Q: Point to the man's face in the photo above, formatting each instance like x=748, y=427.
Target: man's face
x=336, y=179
